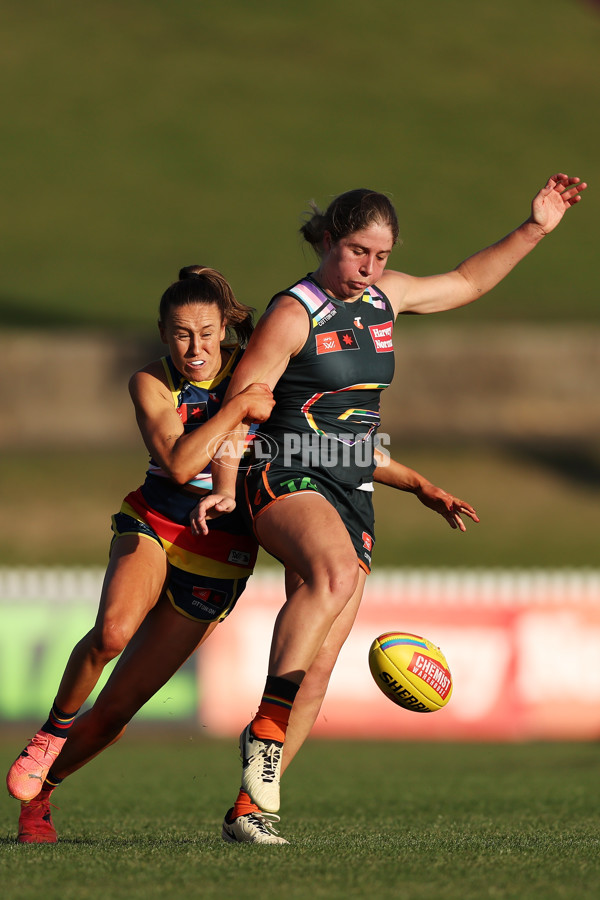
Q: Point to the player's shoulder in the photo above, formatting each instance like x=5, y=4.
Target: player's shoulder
x=152, y=376
x=284, y=311
x=283, y=328
x=396, y=286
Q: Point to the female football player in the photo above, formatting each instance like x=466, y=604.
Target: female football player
x=324, y=346
x=180, y=412
x=165, y=590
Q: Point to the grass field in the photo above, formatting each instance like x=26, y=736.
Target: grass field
x=143, y=136
x=409, y=821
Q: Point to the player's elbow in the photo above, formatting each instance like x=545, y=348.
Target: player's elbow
x=182, y=474
x=179, y=476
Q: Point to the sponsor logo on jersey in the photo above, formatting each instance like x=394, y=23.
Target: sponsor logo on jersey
x=193, y=413
x=367, y=540
x=299, y=484
x=324, y=316
x=358, y=323
x=382, y=337
x=239, y=558
x=334, y=341
x=203, y=596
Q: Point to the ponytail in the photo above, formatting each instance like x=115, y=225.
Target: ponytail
x=350, y=212
x=201, y=284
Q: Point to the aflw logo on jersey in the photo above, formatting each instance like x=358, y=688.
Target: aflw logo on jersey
x=382, y=337
x=193, y=413
x=239, y=557
x=333, y=341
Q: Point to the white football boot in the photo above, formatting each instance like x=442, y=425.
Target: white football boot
x=261, y=770
x=253, y=828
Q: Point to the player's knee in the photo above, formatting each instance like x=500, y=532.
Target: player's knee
x=337, y=582
x=110, y=641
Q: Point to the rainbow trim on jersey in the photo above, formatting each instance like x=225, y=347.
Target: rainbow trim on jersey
x=375, y=297
x=366, y=416
x=312, y=298
x=321, y=310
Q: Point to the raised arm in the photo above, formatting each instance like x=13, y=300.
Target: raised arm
x=396, y=475
x=481, y=272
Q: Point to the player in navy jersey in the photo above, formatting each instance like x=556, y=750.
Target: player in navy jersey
x=324, y=347
x=155, y=562
x=179, y=405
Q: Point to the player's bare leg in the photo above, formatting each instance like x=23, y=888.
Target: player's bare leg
x=133, y=582
x=311, y=694
x=328, y=575
x=163, y=642
x=245, y=822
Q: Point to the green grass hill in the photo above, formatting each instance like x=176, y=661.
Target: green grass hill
x=139, y=136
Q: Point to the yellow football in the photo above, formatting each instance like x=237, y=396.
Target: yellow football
x=411, y=671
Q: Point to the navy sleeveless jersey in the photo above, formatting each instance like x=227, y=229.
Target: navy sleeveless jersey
x=327, y=401
x=196, y=402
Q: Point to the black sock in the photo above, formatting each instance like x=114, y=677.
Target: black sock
x=58, y=722
x=51, y=782
x=282, y=688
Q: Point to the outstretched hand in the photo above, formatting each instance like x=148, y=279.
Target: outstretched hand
x=451, y=508
x=550, y=204
x=210, y=507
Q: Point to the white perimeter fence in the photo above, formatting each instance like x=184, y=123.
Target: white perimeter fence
x=523, y=647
